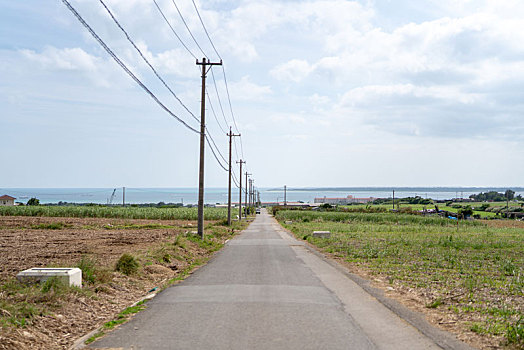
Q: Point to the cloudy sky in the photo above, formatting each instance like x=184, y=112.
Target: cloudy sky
x=325, y=93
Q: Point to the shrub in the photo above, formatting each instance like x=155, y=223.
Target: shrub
x=127, y=264
x=33, y=201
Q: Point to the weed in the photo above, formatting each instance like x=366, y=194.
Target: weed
x=508, y=267
x=436, y=303
x=87, y=265
x=180, y=242
x=54, y=284
x=91, y=272
x=515, y=332
x=127, y=264
x=51, y=226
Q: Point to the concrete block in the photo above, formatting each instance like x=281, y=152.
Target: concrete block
x=288, y=222
x=70, y=275
x=322, y=234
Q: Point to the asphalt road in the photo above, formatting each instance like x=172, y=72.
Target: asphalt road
x=266, y=290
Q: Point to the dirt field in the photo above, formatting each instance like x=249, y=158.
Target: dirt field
x=27, y=242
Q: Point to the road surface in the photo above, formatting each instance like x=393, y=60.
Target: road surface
x=266, y=290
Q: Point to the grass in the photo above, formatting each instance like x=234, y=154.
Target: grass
x=127, y=264
x=114, y=212
x=51, y=226
x=474, y=269
x=21, y=303
x=492, y=208
x=122, y=317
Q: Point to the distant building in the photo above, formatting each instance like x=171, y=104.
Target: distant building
x=347, y=200
x=6, y=200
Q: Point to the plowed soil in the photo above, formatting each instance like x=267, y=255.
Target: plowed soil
x=27, y=242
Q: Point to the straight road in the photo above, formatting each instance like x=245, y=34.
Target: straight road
x=266, y=290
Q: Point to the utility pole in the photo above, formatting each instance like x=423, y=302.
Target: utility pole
x=246, y=192
x=205, y=69
x=229, y=188
x=240, y=192
x=253, y=192
x=393, y=199
x=285, y=195
x=249, y=194
x=251, y=189
x=123, y=196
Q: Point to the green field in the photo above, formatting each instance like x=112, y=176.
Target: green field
x=489, y=213
x=85, y=211
x=475, y=270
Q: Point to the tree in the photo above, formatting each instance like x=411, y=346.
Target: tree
x=509, y=194
x=33, y=201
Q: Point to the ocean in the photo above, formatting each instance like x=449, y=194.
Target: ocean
x=219, y=195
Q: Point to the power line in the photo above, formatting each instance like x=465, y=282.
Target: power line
x=224, y=73
x=218, y=97
x=123, y=66
x=173, y=30
x=231, y=109
x=214, y=114
x=212, y=140
x=205, y=30
x=145, y=60
x=214, y=154
x=187, y=27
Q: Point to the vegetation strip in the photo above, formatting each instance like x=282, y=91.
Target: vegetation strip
x=98, y=211
x=473, y=274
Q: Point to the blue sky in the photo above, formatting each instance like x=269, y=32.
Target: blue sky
x=325, y=93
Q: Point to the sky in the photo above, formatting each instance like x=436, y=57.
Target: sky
x=324, y=93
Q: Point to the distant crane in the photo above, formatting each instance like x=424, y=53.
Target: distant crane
x=110, y=200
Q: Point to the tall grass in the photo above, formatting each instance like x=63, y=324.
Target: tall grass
x=114, y=212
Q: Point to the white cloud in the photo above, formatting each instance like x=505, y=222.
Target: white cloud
x=294, y=70
x=246, y=90
x=63, y=59
x=287, y=118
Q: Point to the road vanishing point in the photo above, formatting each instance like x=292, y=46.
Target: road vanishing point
x=266, y=290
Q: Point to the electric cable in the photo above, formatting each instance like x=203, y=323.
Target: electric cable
x=189, y=30
x=173, y=30
x=205, y=30
x=145, y=60
x=123, y=66
x=214, y=114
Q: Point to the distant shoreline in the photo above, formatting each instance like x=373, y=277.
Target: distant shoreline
x=400, y=189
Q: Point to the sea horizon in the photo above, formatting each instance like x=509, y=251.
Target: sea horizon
x=219, y=195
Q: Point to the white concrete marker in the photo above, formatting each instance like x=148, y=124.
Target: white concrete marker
x=70, y=275
x=322, y=234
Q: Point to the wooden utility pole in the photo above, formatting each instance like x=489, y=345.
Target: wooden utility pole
x=285, y=195
x=123, y=196
x=205, y=69
x=240, y=192
x=246, y=193
x=229, y=188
